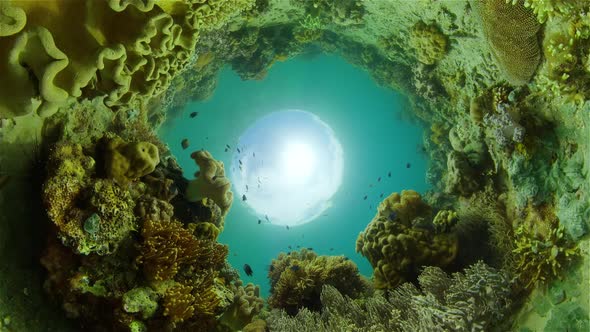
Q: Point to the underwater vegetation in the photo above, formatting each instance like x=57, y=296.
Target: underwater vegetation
x=500, y=242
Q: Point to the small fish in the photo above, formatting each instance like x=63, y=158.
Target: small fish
x=389, y=174
x=227, y=146
x=207, y=137
x=298, y=246
x=309, y=248
x=295, y=268
x=184, y=143
x=253, y=154
x=246, y=188
x=225, y=149
x=381, y=196
x=365, y=198
x=240, y=162
x=289, y=247
x=194, y=114
x=371, y=207
x=238, y=150
x=266, y=217
x=244, y=198
x=259, y=221
x=379, y=179
x=331, y=249
x=408, y=165
x=248, y=270
x=287, y=227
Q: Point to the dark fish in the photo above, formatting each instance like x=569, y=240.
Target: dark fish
x=295, y=268
x=287, y=227
x=381, y=196
x=248, y=270
x=259, y=221
x=298, y=246
x=371, y=207
x=238, y=150
x=253, y=155
x=240, y=162
x=206, y=137
x=244, y=198
x=408, y=165
x=225, y=149
x=331, y=249
x=194, y=114
x=365, y=198
x=379, y=179
x=392, y=215
x=227, y=146
x=309, y=248
x=184, y=144
x=246, y=188
x=266, y=217
x=289, y=247
x=389, y=174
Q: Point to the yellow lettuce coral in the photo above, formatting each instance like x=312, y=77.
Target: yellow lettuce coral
x=512, y=31
x=398, y=242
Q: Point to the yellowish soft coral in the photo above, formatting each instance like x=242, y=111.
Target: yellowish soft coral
x=398, y=242
x=127, y=161
x=297, y=278
x=246, y=304
x=210, y=182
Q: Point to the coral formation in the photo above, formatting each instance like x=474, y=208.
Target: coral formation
x=511, y=30
x=125, y=162
x=468, y=301
x=210, y=182
x=246, y=304
x=297, y=278
x=429, y=43
x=399, y=240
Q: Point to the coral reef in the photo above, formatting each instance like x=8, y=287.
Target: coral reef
x=297, y=278
x=125, y=162
x=468, y=301
x=400, y=240
x=246, y=304
x=511, y=31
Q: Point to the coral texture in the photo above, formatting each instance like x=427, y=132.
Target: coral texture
x=511, y=31
x=398, y=241
x=429, y=42
x=246, y=304
x=127, y=161
x=210, y=182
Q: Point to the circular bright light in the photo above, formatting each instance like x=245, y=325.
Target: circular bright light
x=288, y=167
x=298, y=162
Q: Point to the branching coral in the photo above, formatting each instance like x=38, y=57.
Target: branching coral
x=511, y=30
x=297, y=278
x=398, y=241
x=469, y=301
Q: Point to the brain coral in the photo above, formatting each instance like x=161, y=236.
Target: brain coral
x=512, y=31
x=126, y=50
x=398, y=241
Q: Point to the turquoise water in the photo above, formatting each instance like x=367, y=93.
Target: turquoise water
x=366, y=119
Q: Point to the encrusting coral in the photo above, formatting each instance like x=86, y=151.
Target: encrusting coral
x=400, y=240
x=296, y=279
x=468, y=301
x=512, y=33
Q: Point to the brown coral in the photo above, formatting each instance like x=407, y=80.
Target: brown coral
x=511, y=31
x=398, y=242
x=297, y=279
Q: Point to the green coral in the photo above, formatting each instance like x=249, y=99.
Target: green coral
x=141, y=300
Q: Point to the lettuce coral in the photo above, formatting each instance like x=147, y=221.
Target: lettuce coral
x=398, y=242
x=512, y=31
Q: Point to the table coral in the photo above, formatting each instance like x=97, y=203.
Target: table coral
x=429, y=43
x=126, y=161
x=210, y=182
x=297, y=279
x=397, y=242
x=511, y=31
